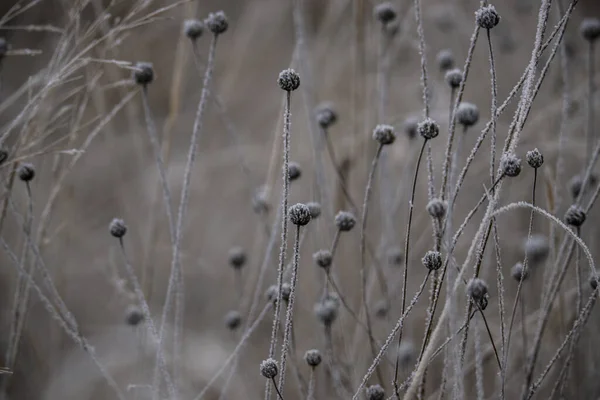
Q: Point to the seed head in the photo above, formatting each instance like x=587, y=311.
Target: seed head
x=437, y=208
x=537, y=249
x=384, y=134
x=313, y=357
x=323, y=258
x=26, y=172
x=510, y=164
x=299, y=214
x=3, y=48
x=286, y=290
x=375, y=392
x=454, y=78
x=590, y=29
x=288, y=80
x=411, y=127
x=294, y=171
x=133, y=316
x=575, y=216
x=534, y=158
x=381, y=309
x=143, y=73
x=237, y=257
x=406, y=353
x=445, y=60
x=432, y=260
x=3, y=155
x=260, y=201
x=327, y=309
x=517, y=272
x=233, y=320
x=428, y=129
x=487, y=17
x=326, y=115
x=217, y=22
x=315, y=209
x=394, y=256
x=268, y=368
x=193, y=28
x=576, y=182
x=271, y=293
x=345, y=221
x=467, y=114
x=477, y=290
x=117, y=228
x=384, y=12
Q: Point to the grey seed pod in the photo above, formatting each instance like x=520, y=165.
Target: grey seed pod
x=477, y=290
x=534, y=158
x=537, y=249
x=432, y=260
x=428, y=129
x=314, y=208
x=467, y=114
x=395, y=256
x=3, y=155
x=269, y=368
x=381, y=309
x=411, y=127
x=294, y=171
x=385, y=13
x=437, y=208
x=323, y=258
x=288, y=80
x=454, y=78
x=193, y=28
x=445, y=60
x=375, y=392
x=217, y=22
x=286, y=290
x=517, y=272
x=590, y=29
x=3, y=48
x=26, y=172
x=237, y=257
x=575, y=216
x=133, y=316
x=593, y=281
x=233, y=320
x=326, y=115
x=576, y=182
x=384, y=134
x=406, y=354
x=260, y=201
x=313, y=357
x=271, y=293
x=510, y=164
x=143, y=73
x=345, y=221
x=327, y=310
x=117, y=228
x=299, y=214
x=487, y=17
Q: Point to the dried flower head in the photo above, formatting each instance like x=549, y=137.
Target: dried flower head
x=133, y=316
x=510, y=165
x=299, y=214
x=269, y=368
x=437, y=208
x=217, y=22
x=323, y=258
x=117, y=228
x=445, y=60
x=3, y=48
x=294, y=171
x=271, y=293
x=288, y=80
x=467, y=114
x=394, y=256
x=428, y=129
x=326, y=115
x=454, y=78
x=375, y=392
x=193, y=28
x=382, y=308
x=432, y=260
x=384, y=12
x=406, y=354
x=26, y=172
x=537, y=249
x=590, y=29
x=233, y=320
x=384, y=134
x=487, y=17
x=3, y=155
x=534, y=158
x=411, y=127
x=576, y=182
x=143, y=73
x=575, y=216
x=327, y=309
x=260, y=201
x=345, y=221
x=286, y=290
x=313, y=357
x=477, y=290
x=315, y=209
x=517, y=272
x=237, y=257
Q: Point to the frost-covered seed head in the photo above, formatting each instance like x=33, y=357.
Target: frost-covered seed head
x=487, y=17
x=286, y=290
x=575, y=216
x=271, y=293
x=288, y=80
x=3, y=155
x=269, y=368
x=217, y=22
x=375, y=392
x=133, y=316
x=294, y=171
x=381, y=309
x=384, y=12
x=233, y=320
x=314, y=208
x=477, y=290
x=576, y=182
x=406, y=354
x=299, y=214
x=3, y=47
x=193, y=28
x=313, y=357
x=590, y=29
x=454, y=78
x=384, y=134
x=237, y=257
x=467, y=114
x=537, y=249
x=326, y=115
x=394, y=256
x=26, y=172
x=345, y=221
x=327, y=310
x=323, y=258
x=510, y=164
x=517, y=272
x=260, y=201
x=117, y=228
x=411, y=127
x=143, y=73
x=445, y=60
x=534, y=158
x=428, y=129
x=432, y=260
x=437, y=208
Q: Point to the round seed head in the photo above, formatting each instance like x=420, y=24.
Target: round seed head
x=327, y=310
x=384, y=134
x=3, y=155
x=487, y=17
x=313, y=357
x=384, y=12
x=323, y=258
x=445, y=60
x=269, y=368
x=537, y=249
x=26, y=172
x=590, y=29
x=575, y=216
x=143, y=73
x=437, y=208
x=133, y=316
x=394, y=256
x=299, y=214
x=260, y=201
x=534, y=158
x=454, y=78
x=411, y=127
x=314, y=208
x=593, y=281
x=432, y=260
x=577, y=181
x=428, y=129
x=467, y=114
x=406, y=354
x=381, y=309
x=193, y=28
x=271, y=293
x=375, y=392
x=477, y=290
x=117, y=228
x=510, y=164
x=326, y=115
x=294, y=171
x=3, y=47
x=286, y=290
x=345, y=221
x=233, y=320
x=237, y=257
x=517, y=272
x=288, y=80
x=217, y=22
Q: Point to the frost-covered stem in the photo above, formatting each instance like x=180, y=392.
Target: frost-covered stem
x=424, y=80
x=478, y=362
x=311, y=385
x=494, y=108
x=591, y=136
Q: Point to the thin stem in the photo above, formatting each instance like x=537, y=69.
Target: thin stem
x=591, y=137
x=276, y=389
x=311, y=385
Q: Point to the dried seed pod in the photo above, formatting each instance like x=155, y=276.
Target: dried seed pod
x=117, y=228
x=288, y=80
x=575, y=216
x=299, y=214
x=375, y=392
x=487, y=17
x=315, y=209
x=269, y=368
x=384, y=134
x=133, y=316
x=395, y=256
x=510, y=165
x=445, y=60
x=534, y=158
x=26, y=172
x=590, y=29
x=143, y=73
x=477, y=290
x=428, y=129
x=323, y=258
x=294, y=171
x=432, y=260
x=454, y=78
x=313, y=357
x=326, y=115
x=233, y=320
x=381, y=309
x=193, y=28
x=345, y=221
x=237, y=257
x=217, y=22
x=411, y=127
x=327, y=309
x=385, y=13
x=518, y=272
x=467, y=114
x=537, y=249
x=437, y=208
